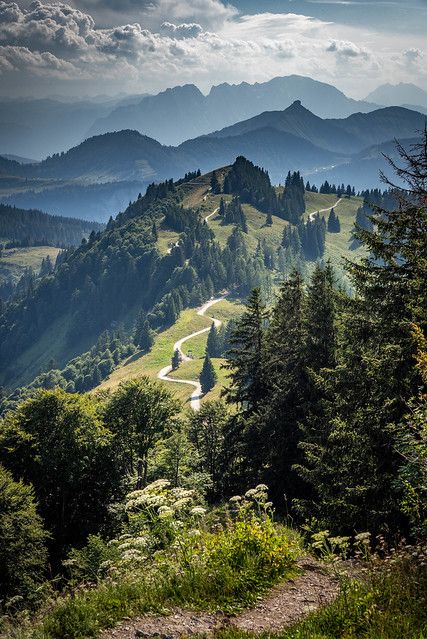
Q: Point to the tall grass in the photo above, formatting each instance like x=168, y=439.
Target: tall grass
x=226, y=569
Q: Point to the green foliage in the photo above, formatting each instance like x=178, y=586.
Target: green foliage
x=252, y=184
x=246, y=355
x=23, y=553
x=225, y=564
x=387, y=604
x=206, y=432
x=57, y=442
x=141, y=412
x=144, y=336
x=291, y=202
x=334, y=225
x=208, y=375
x=33, y=228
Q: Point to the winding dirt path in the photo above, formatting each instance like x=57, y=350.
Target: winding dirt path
x=328, y=208
x=283, y=606
x=164, y=373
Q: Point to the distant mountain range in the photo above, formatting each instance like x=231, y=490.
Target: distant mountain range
x=402, y=94
x=37, y=128
x=347, y=149
x=181, y=113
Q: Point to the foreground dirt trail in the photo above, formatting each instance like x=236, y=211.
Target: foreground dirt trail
x=284, y=605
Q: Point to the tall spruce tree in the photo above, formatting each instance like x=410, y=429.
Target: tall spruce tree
x=351, y=459
x=246, y=357
x=213, y=343
x=320, y=319
x=208, y=375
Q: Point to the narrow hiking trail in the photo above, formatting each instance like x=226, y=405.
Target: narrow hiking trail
x=282, y=606
x=328, y=208
x=164, y=373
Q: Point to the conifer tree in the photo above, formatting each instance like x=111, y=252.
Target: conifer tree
x=246, y=358
x=143, y=333
x=213, y=345
x=215, y=185
x=320, y=319
x=176, y=360
x=155, y=232
x=208, y=375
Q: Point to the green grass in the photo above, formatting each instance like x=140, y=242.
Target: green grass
x=225, y=569
x=13, y=262
x=166, y=239
x=161, y=353
x=257, y=230
x=317, y=201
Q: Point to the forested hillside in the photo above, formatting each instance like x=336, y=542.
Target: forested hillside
x=20, y=227
x=138, y=506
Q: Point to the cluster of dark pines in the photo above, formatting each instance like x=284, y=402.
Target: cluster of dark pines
x=306, y=239
x=33, y=228
x=232, y=213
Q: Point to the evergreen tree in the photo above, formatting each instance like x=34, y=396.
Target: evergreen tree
x=155, y=232
x=208, y=375
x=246, y=358
x=213, y=347
x=291, y=202
x=334, y=225
x=176, y=360
x=215, y=185
x=320, y=319
x=143, y=334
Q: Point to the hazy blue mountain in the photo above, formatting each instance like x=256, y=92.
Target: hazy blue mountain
x=126, y=155
x=18, y=158
x=363, y=170
x=180, y=113
x=398, y=94
x=36, y=128
x=346, y=136
x=278, y=151
x=95, y=202
x=382, y=125
x=100, y=175
x=297, y=121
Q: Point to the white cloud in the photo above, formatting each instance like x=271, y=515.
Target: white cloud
x=202, y=41
x=347, y=49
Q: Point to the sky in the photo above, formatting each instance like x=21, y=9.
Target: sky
x=91, y=47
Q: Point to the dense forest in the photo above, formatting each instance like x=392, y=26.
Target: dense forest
x=121, y=496
x=20, y=227
x=121, y=271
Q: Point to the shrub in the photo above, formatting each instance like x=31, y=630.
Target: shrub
x=22, y=548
